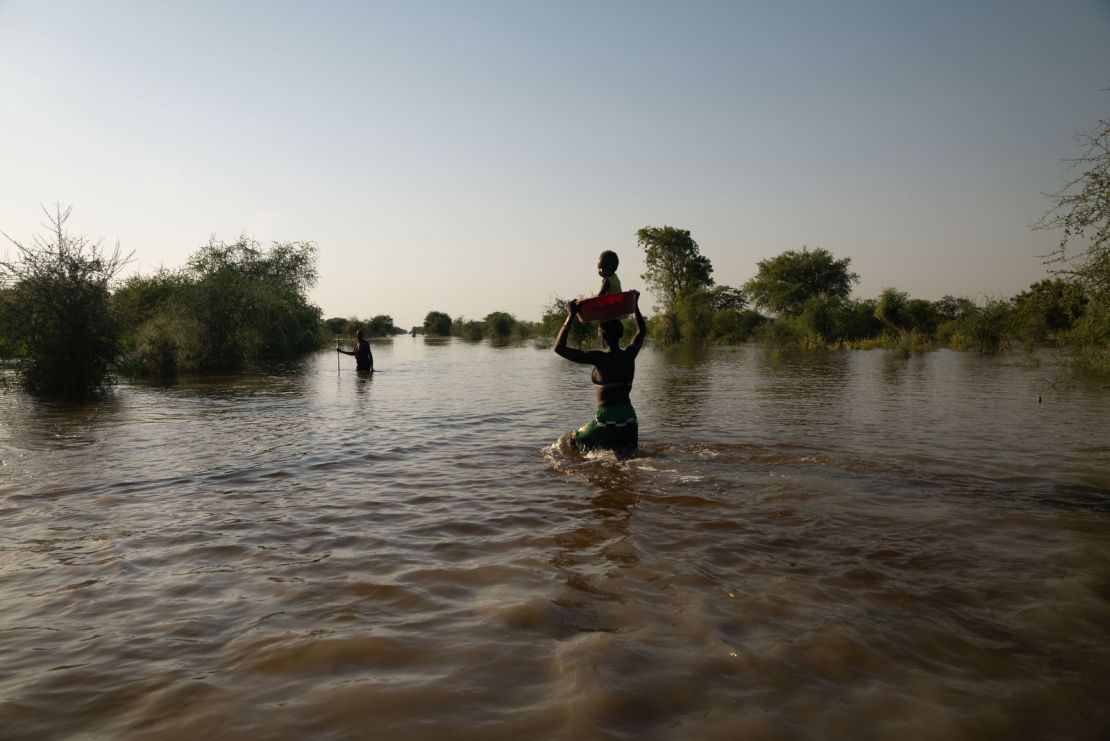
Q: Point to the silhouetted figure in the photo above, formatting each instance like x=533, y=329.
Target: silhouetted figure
x=364, y=359
x=614, y=427
x=607, y=264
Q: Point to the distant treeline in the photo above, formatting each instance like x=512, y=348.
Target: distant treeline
x=233, y=306
x=804, y=295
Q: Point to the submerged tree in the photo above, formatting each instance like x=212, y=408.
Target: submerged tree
x=382, y=326
x=784, y=284
x=437, y=324
x=675, y=265
x=499, y=325
x=249, y=303
x=59, y=309
x=890, y=309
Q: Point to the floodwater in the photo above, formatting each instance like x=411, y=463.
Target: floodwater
x=818, y=545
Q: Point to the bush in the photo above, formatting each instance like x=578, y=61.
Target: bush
x=231, y=307
x=467, y=329
x=554, y=314
x=982, y=329
x=250, y=304
x=664, y=329
x=163, y=346
x=694, y=311
x=787, y=332
x=820, y=319
x=58, y=311
x=437, y=324
x=382, y=326
x=732, y=326
x=498, y=326
x=859, y=322
x=9, y=346
x=1088, y=342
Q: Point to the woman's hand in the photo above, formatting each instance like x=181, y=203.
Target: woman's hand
x=572, y=308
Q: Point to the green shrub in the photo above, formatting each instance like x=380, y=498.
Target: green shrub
x=694, y=311
x=981, y=329
x=251, y=304
x=498, y=326
x=732, y=326
x=437, y=324
x=467, y=329
x=58, y=312
x=664, y=329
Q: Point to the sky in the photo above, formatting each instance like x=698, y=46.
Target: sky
x=476, y=156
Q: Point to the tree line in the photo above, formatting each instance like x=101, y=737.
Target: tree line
x=803, y=298
x=72, y=325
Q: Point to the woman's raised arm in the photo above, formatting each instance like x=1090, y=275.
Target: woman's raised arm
x=561, y=348
x=641, y=330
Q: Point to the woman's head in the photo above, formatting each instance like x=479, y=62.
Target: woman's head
x=611, y=333
x=358, y=335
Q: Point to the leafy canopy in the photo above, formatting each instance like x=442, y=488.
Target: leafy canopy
x=249, y=302
x=784, y=284
x=437, y=324
x=675, y=265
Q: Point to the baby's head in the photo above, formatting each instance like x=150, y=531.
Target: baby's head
x=607, y=263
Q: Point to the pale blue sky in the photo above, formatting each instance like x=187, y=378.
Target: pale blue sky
x=476, y=156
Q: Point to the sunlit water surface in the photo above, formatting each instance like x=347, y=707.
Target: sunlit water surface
x=842, y=545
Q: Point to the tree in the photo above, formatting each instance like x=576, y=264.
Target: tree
x=336, y=325
x=694, y=312
x=60, y=312
x=249, y=303
x=921, y=316
x=950, y=308
x=555, y=313
x=730, y=325
x=784, y=284
x=890, y=309
x=727, y=298
x=437, y=324
x=140, y=297
x=467, y=329
x=1082, y=209
x=382, y=326
x=1048, y=307
x=499, y=325
x=674, y=262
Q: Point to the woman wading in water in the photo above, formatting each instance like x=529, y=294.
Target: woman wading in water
x=614, y=426
x=364, y=359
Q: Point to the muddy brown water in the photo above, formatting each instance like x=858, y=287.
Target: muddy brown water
x=818, y=545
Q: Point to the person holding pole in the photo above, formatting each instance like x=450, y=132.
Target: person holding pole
x=364, y=359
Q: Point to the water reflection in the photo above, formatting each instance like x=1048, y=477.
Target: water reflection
x=799, y=530
x=678, y=384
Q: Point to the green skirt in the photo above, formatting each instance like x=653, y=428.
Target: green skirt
x=613, y=428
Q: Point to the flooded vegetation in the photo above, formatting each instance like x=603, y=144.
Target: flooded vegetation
x=809, y=545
